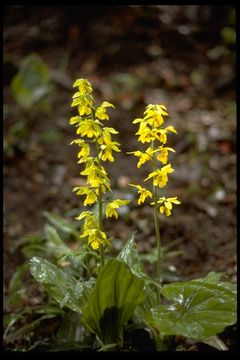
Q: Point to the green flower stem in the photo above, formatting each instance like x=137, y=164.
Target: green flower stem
x=159, y=249
x=157, y=231
x=100, y=223
x=100, y=208
x=100, y=202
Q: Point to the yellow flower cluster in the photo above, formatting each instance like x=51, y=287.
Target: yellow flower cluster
x=96, y=146
x=151, y=130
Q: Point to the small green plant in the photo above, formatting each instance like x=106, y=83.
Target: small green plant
x=114, y=294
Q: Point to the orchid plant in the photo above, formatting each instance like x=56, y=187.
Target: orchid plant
x=119, y=290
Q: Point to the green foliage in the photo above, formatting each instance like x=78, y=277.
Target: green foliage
x=199, y=308
x=129, y=255
x=64, y=288
x=71, y=335
x=101, y=299
x=32, y=82
x=116, y=294
x=229, y=35
x=64, y=226
x=19, y=333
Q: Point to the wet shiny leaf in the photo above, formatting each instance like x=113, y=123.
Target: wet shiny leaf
x=200, y=308
x=63, y=287
x=112, y=302
x=130, y=256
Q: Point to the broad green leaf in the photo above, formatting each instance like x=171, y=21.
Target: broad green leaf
x=150, y=301
x=62, y=224
x=212, y=278
x=63, y=287
x=116, y=294
x=200, y=309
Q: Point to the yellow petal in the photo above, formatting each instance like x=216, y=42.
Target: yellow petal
x=162, y=209
x=168, y=205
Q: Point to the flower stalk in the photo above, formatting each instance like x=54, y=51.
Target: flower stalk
x=96, y=147
x=157, y=230
x=151, y=130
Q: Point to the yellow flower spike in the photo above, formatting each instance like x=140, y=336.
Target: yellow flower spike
x=113, y=205
x=151, y=130
x=144, y=193
x=98, y=148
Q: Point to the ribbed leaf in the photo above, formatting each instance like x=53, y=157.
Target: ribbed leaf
x=200, y=308
x=63, y=287
x=61, y=224
x=115, y=296
x=54, y=243
x=130, y=256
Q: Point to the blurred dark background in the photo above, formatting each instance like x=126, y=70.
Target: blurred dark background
x=180, y=56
